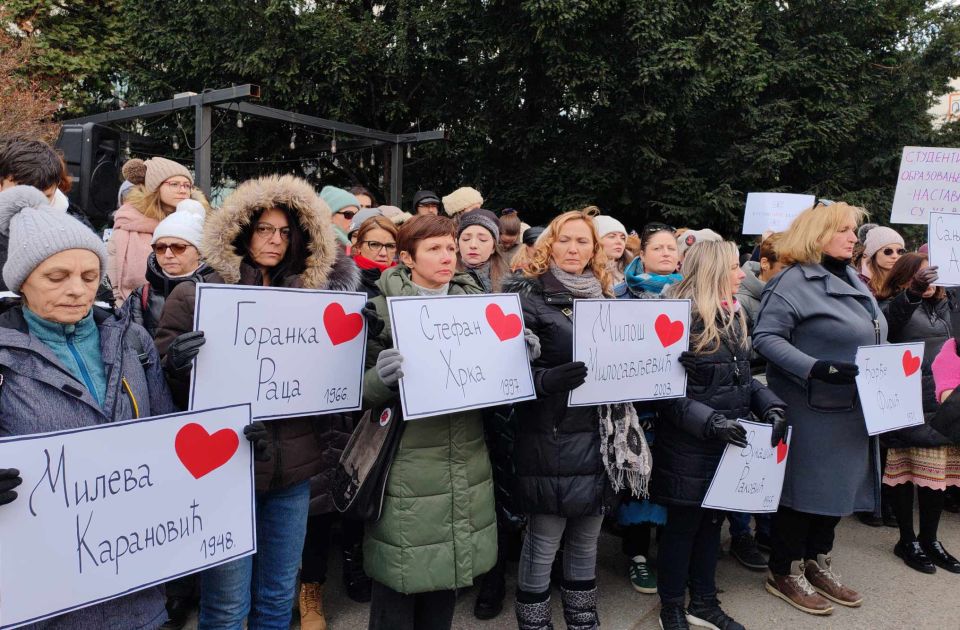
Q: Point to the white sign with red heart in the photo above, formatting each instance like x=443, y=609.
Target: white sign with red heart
x=890, y=386
x=630, y=348
x=460, y=352
x=114, y=508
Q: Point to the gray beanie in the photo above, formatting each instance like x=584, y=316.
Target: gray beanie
x=483, y=218
x=36, y=232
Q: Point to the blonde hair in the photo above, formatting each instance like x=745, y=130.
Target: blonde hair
x=706, y=283
x=148, y=203
x=539, y=261
x=803, y=241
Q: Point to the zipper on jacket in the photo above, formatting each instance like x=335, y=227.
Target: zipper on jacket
x=83, y=367
x=876, y=330
x=277, y=464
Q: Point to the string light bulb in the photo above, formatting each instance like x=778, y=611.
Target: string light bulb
x=333, y=144
x=371, y=158
x=293, y=140
x=409, y=152
x=176, y=145
x=239, y=121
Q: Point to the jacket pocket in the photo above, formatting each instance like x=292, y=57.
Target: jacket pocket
x=828, y=397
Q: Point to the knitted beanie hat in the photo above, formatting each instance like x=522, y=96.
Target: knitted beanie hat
x=186, y=222
x=338, y=199
x=461, y=199
x=160, y=170
x=362, y=216
x=483, y=218
x=36, y=231
x=691, y=237
x=606, y=224
x=878, y=237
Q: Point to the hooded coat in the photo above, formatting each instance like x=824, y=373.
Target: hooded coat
x=145, y=304
x=302, y=447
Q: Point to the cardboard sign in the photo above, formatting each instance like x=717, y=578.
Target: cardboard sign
x=287, y=352
x=943, y=247
x=460, y=352
x=773, y=211
x=750, y=479
x=631, y=349
x=889, y=385
x=929, y=181
x=114, y=508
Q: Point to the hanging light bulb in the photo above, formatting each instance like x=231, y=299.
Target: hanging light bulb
x=371, y=158
x=333, y=145
x=176, y=145
x=239, y=121
x=293, y=140
x=409, y=152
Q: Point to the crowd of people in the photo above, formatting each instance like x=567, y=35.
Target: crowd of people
x=103, y=332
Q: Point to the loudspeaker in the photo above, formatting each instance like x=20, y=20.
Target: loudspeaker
x=92, y=153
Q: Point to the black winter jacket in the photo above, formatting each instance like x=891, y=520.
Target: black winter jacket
x=158, y=289
x=557, y=450
x=684, y=462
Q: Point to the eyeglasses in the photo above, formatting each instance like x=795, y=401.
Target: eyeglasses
x=177, y=248
x=889, y=251
x=265, y=230
x=178, y=185
x=348, y=214
x=377, y=246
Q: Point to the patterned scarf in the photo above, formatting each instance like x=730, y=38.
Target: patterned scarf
x=581, y=285
x=640, y=281
x=624, y=449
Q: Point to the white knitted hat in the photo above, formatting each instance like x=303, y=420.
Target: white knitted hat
x=606, y=224
x=186, y=223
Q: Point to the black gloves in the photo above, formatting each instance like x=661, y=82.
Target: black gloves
x=921, y=281
x=564, y=377
x=256, y=434
x=777, y=418
x=9, y=479
x=688, y=360
x=726, y=430
x=835, y=372
x=183, y=350
x=374, y=323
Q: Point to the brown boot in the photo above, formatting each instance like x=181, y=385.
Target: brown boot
x=827, y=583
x=311, y=607
x=796, y=591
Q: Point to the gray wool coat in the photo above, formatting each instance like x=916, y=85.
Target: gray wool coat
x=808, y=314
x=38, y=395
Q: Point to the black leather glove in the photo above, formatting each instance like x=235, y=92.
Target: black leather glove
x=184, y=349
x=9, y=479
x=777, y=418
x=256, y=434
x=725, y=429
x=374, y=323
x=564, y=377
x=921, y=281
x=688, y=360
x=835, y=372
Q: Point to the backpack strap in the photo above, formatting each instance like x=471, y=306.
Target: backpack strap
x=145, y=297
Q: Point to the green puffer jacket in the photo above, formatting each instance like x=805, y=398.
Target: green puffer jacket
x=438, y=530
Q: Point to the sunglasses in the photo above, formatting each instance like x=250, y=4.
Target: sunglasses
x=653, y=228
x=177, y=248
x=348, y=214
x=889, y=251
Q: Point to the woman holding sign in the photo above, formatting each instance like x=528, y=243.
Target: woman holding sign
x=272, y=231
x=67, y=364
x=694, y=431
x=812, y=319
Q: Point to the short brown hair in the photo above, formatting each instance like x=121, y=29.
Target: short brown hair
x=422, y=227
x=510, y=224
x=375, y=223
x=768, y=247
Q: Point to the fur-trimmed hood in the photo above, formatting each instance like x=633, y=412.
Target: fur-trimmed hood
x=224, y=226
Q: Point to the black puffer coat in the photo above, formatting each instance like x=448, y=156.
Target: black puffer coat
x=557, y=450
x=684, y=462
x=158, y=288
x=927, y=321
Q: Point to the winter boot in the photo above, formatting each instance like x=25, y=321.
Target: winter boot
x=705, y=612
x=493, y=589
x=311, y=607
x=580, y=606
x=355, y=580
x=533, y=615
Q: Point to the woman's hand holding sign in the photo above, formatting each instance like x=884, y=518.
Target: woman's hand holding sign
x=184, y=350
x=389, y=363
x=9, y=479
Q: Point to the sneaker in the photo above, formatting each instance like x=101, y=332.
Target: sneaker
x=673, y=617
x=914, y=557
x=744, y=549
x=796, y=591
x=642, y=576
x=706, y=613
x=822, y=578
x=941, y=557
x=763, y=542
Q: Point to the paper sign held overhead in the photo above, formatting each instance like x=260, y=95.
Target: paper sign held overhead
x=943, y=247
x=116, y=508
x=928, y=181
x=287, y=352
x=773, y=212
x=630, y=348
x=889, y=385
x=750, y=479
x=460, y=352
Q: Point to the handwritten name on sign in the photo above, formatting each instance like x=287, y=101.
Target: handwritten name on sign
x=890, y=386
x=115, y=508
x=630, y=348
x=287, y=352
x=773, y=211
x=928, y=181
x=943, y=247
x=750, y=479
x=460, y=352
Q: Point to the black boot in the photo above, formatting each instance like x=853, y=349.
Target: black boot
x=355, y=581
x=493, y=589
x=580, y=607
x=178, y=609
x=673, y=617
x=531, y=614
x=706, y=612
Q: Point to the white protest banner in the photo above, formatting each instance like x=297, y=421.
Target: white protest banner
x=889, y=385
x=630, y=348
x=928, y=181
x=773, y=212
x=287, y=352
x=115, y=508
x=943, y=247
x=750, y=479
x=460, y=352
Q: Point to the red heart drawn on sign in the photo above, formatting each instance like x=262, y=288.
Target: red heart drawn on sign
x=505, y=326
x=910, y=363
x=668, y=331
x=781, y=451
x=202, y=453
x=340, y=326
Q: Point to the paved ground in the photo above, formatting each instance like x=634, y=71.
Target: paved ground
x=895, y=596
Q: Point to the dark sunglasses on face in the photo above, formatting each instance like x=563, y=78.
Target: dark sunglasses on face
x=348, y=214
x=889, y=251
x=377, y=246
x=177, y=248
x=265, y=230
